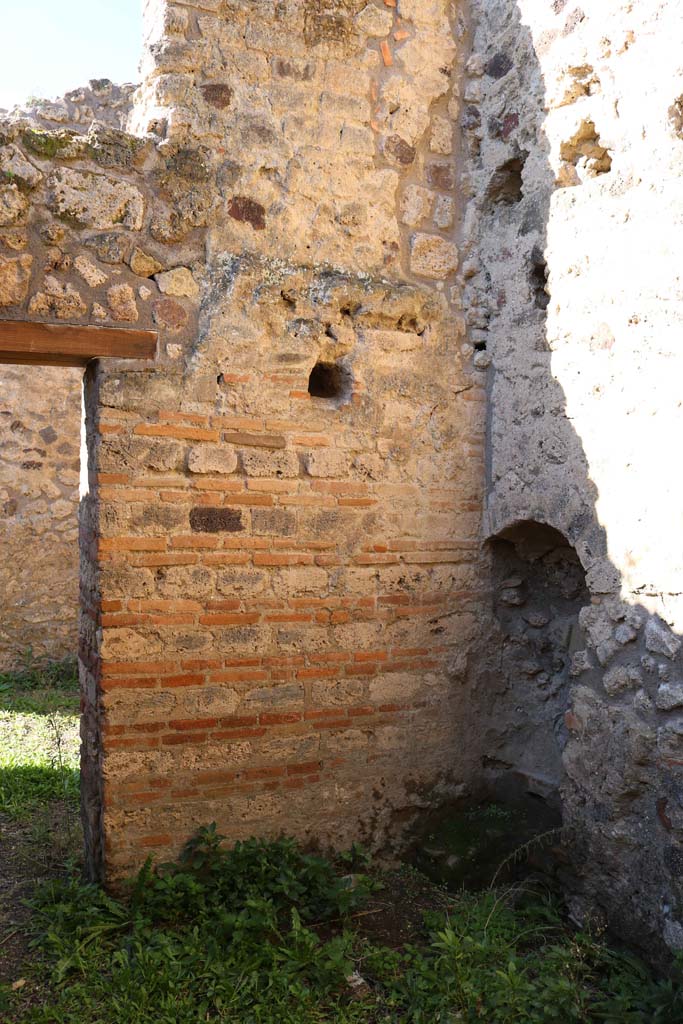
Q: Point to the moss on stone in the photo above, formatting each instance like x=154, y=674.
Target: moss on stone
x=189, y=165
x=109, y=147
x=50, y=144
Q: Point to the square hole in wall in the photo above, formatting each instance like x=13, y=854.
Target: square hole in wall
x=330, y=380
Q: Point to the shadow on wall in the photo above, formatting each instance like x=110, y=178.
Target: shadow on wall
x=582, y=685
x=540, y=589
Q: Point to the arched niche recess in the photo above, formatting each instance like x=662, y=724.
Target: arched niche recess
x=539, y=588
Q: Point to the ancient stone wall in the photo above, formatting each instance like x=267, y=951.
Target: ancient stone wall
x=40, y=427
x=40, y=438
x=573, y=292
x=81, y=245
x=360, y=228
x=286, y=631
x=281, y=560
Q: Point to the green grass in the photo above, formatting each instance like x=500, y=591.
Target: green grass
x=55, y=676
x=265, y=934
x=39, y=742
x=268, y=934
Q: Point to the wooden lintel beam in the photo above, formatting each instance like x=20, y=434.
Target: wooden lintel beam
x=37, y=344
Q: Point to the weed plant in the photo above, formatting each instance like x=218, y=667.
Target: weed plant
x=268, y=934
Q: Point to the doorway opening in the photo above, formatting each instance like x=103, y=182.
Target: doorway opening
x=49, y=713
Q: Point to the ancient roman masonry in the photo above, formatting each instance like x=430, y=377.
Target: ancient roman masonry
x=394, y=518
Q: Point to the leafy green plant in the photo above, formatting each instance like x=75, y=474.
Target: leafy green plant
x=221, y=935
x=487, y=960
x=356, y=858
x=255, y=882
x=253, y=935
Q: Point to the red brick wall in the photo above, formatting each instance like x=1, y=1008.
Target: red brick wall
x=285, y=642
x=281, y=592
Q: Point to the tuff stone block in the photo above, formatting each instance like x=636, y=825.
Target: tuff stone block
x=216, y=520
x=15, y=275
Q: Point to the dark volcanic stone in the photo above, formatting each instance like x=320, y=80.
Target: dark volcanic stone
x=217, y=95
x=216, y=520
x=499, y=65
x=399, y=150
x=245, y=209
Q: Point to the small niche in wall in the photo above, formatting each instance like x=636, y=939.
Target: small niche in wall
x=330, y=380
x=506, y=184
x=538, y=279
